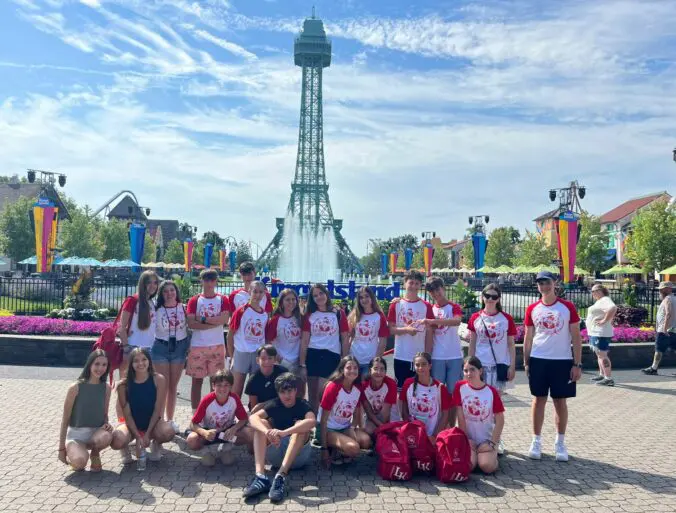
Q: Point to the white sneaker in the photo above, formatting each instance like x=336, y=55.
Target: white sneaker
x=155, y=451
x=561, y=451
x=501, y=448
x=535, y=451
x=174, y=426
x=125, y=456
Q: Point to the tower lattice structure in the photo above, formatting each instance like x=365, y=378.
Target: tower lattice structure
x=309, y=202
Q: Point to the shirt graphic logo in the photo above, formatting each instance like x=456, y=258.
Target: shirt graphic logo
x=291, y=330
x=549, y=322
x=424, y=405
x=324, y=326
x=366, y=329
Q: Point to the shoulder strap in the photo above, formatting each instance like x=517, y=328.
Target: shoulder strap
x=490, y=343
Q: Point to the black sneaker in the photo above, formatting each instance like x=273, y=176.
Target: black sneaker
x=608, y=382
x=598, y=378
x=649, y=371
x=256, y=486
x=278, y=490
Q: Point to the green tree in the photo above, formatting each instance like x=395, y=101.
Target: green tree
x=13, y=179
x=149, y=249
x=652, y=241
x=371, y=262
x=502, y=246
x=467, y=255
x=439, y=259
x=592, y=248
x=214, y=238
x=80, y=235
x=17, y=235
x=243, y=252
x=174, y=252
x=115, y=239
x=533, y=250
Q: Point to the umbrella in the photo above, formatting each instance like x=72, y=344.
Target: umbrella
x=551, y=268
x=465, y=270
x=623, y=269
x=521, y=269
x=126, y=263
x=579, y=270
x=669, y=270
x=503, y=269
x=486, y=269
x=34, y=261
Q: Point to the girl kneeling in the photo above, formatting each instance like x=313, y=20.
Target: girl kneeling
x=339, y=402
x=141, y=397
x=380, y=392
x=480, y=415
x=84, y=426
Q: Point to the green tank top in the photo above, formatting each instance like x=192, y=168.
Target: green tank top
x=88, y=410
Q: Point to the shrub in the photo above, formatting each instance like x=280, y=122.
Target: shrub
x=630, y=316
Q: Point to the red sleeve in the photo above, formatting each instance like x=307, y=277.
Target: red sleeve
x=342, y=322
x=306, y=323
x=391, y=396
x=498, y=407
x=225, y=304
x=130, y=303
x=446, y=401
x=511, y=326
x=268, y=303
x=271, y=328
x=430, y=312
x=574, y=317
x=528, y=318
x=404, y=389
x=472, y=320
x=362, y=395
x=384, y=330
x=236, y=318
x=202, y=408
x=456, y=398
x=457, y=310
x=330, y=396
x=231, y=300
x=191, y=308
x=240, y=412
x=392, y=312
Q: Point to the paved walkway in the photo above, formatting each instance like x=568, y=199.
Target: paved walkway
x=621, y=440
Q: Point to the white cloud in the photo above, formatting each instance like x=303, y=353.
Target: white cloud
x=226, y=45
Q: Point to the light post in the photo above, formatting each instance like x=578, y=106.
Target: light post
x=44, y=217
x=568, y=228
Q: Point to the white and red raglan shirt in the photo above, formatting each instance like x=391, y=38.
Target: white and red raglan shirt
x=404, y=313
x=136, y=336
x=248, y=328
x=552, y=340
x=379, y=397
x=446, y=339
x=325, y=329
x=492, y=329
x=284, y=334
x=241, y=297
x=479, y=406
x=339, y=405
x=367, y=334
x=202, y=306
x=211, y=414
x=425, y=403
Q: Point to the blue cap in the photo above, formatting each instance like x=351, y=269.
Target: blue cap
x=545, y=275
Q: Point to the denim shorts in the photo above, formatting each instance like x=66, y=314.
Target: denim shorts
x=275, y=455
x=600, y=343
x=163, y=352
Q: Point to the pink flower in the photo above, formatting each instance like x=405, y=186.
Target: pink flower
x=25, y=325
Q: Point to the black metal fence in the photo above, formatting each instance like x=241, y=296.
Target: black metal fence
x=38, y=296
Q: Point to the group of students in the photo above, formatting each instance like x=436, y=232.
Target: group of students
x=339, y=357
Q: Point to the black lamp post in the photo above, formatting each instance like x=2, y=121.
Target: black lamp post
x=569, y=197
x=479, y=222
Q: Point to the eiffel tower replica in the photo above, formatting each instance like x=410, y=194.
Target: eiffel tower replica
x=309, y=202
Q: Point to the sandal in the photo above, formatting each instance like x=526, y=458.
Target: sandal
x=95, y=463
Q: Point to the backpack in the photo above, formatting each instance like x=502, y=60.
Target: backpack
x=107, y=342
x=393, y=461
x=453, y=456
x=420, y=450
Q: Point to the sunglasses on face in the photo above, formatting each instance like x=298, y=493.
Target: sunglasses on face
x=494, y=297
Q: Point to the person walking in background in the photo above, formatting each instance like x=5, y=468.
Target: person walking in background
x=599, y=323
x=665, y=326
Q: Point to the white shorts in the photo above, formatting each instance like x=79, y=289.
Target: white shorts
x=81, y=435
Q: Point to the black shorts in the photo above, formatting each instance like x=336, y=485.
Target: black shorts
x=665, y=341
x=321, y=362
x=402, y=371
x=550, y=378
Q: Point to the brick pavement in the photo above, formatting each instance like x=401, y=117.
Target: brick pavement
x=621, y=441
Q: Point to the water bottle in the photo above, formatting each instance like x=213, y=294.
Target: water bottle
x=141, y=461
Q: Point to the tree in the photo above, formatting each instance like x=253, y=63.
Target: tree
x=17, y=235
x=652, y=241
x=371, y=262
x=533, y=250
x=214, y=238
x=467, y=255
x=439, y=259
x=149, y=249
x=115, y=239
x=592, y=248
x=502, y=246
x=174, y=252
x=13, y=179
x=243, y=253
x=80, y=235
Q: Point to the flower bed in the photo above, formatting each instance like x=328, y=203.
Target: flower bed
x=24, y=325
x=620, y=334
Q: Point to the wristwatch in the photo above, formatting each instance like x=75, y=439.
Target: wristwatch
x=204, y=319
x=578, y=365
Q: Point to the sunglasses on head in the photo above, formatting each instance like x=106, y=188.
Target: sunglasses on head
x=492, y=296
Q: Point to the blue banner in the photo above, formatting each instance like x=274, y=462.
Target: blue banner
x=479, y=244
x=408, y=258
x=233, y=259
x=208, y=252
x=383, y=263
x=137, y=236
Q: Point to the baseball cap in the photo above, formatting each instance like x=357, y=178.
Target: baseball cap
x=665, y=285
x=545, y=275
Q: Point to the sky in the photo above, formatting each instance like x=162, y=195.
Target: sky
x=432, y=112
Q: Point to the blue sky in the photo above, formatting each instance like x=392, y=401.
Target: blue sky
x=432, y=113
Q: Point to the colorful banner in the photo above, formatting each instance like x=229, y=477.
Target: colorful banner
x=394, y=256
x=45, y=220
x=568, y=234
x=408, y=258
x=188, y=245
x=428, y=255
x=233, y=260
x=208, y=253
x=222, y=259
x=479, y=244
x=137, y=237
x=383, y=263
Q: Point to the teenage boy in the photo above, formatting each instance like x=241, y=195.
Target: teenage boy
x=551, y=325
x=665, y=326
x=207, y=313
x=261, y=386
x=406, y=321
x=282, y=430
x=240, y=297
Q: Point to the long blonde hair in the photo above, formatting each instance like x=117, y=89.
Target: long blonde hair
x=356, y=313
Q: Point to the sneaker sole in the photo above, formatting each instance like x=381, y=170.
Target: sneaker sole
x=561, y=459
x=535, y=456
x=254, y=494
